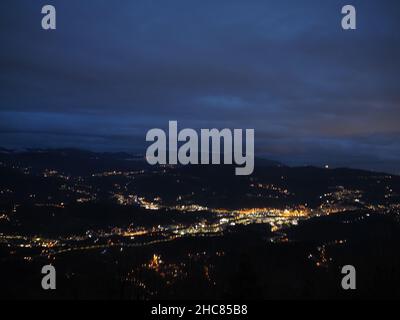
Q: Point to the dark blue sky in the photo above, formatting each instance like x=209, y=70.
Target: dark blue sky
x=114, y=69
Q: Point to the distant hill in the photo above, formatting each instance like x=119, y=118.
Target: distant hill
x=262, y=162
x=79, y=161
x=73, y=161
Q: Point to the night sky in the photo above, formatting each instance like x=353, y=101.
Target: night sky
x=112, y=70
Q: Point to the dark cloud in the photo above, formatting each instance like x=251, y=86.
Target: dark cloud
x=114, y=69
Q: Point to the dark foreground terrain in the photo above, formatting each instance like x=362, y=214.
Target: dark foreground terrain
x=115, y=228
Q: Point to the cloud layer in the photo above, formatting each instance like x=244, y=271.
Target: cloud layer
x=114, y=69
